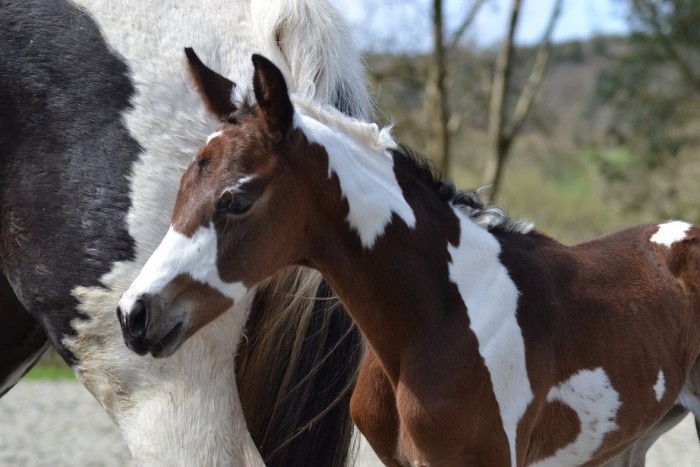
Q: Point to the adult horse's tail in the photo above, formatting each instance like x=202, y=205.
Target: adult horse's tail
x=296, y=371
x=298, y=359
x=315, y=44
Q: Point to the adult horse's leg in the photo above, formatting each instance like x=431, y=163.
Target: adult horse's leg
x=635, y=455
x=22, y=339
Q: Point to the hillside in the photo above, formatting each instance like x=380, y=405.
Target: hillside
x=568, y=172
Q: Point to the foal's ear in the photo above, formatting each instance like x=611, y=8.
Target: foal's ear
x=214, y=88
x=272, y=96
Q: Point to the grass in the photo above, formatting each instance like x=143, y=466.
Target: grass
x=50, y=372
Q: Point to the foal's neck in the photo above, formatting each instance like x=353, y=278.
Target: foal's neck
x=399, y=290
x=390, y=240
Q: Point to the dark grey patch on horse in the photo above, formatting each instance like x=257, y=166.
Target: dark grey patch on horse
x=64, y=158
x=22, y=339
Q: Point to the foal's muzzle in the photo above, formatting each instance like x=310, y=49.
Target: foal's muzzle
x=139, y=319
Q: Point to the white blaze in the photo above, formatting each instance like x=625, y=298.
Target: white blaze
x=178, y=254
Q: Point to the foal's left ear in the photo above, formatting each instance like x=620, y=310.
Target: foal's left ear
x=272, y=96
x=215, y=89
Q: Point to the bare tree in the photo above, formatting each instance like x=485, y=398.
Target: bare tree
x=503, y=129
x=437, y=107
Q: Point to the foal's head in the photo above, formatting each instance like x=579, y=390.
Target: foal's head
x=241, y=214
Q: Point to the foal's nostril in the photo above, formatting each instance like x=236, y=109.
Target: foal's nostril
x=137, y=319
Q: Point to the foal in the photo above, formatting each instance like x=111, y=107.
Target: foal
x=492, y=344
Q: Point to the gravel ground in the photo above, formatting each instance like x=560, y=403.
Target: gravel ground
x=58, y=423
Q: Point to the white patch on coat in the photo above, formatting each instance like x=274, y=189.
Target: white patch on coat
x=670, y=233
x=491, y=299
x=591, y=395
x=366, y=177
x=216, y=134
x=184, y=410
x=179, y=254
x=660, y=386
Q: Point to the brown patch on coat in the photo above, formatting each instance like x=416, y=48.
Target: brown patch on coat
x=373, y=408
x=203, y=302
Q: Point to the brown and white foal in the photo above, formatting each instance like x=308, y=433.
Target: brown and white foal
x=492, y=344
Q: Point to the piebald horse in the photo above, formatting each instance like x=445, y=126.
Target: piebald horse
x=491, y=343
x=98, y=120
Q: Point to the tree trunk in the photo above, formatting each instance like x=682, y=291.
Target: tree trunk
x=436, y=96
x=498, y=139
x=501, y=132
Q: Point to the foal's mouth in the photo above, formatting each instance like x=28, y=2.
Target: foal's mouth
x=169, y=343
x=161, y=348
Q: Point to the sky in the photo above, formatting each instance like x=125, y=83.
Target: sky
x=404, y=25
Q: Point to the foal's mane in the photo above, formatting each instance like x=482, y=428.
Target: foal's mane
x=380, y=140
x=471, y=202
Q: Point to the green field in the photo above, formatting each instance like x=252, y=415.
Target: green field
x=50, y=372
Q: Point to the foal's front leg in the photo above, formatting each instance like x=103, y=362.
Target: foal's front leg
x=373, y=409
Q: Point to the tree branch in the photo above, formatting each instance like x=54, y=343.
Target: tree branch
x=667, y=44
x=436, y=93
x=468, y=20
x=497, y=107
x=539, y=69
x=501, y=79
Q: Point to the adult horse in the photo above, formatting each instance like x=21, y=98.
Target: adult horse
x=97, y=121
x=492, y=344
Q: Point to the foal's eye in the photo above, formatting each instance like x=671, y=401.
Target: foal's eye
x=234, y=203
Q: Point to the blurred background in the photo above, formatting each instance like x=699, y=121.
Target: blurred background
x=582, y=115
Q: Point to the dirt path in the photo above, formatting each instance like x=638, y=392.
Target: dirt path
x=59, y=424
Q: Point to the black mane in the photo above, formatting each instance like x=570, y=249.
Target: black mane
x=490, y=216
